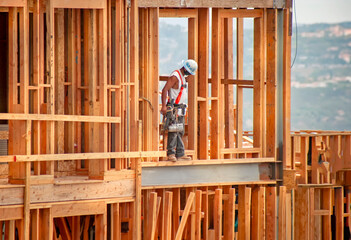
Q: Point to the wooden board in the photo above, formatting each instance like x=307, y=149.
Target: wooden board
x=212, y=3
x=81, y=4
x=84, y=191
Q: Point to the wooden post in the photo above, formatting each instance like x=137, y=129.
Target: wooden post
x=244, y=212
x=301, y=218
x=339, y=213
x=26, y=204
x=75, y=228
x=228, y=89
x=258, y=213
x=59, y=78
x=314, y=162
x=203, y=82
x=50, y=15
x=18, y=97
x=198, y=199
x=215, y=84
x=206, y=213
x=47, y=226
x=101, y=226
x=282, y=213
x=152, y=215
x=137, y=210
x=11, y=230
x=168, y=216
x=175, y=210
x=271, y=82
x=271, y=213
x=286, y=90
x=134, y=78
x=218, y=214
x=326, y=219
x=239, y=75
x=193, y=86
x=258, y=83
x=35, y=225
x=303, y=160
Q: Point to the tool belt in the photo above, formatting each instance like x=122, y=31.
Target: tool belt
x=179, y=109
x=171, y=122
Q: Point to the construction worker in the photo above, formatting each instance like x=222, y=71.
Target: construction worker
x=176, y=89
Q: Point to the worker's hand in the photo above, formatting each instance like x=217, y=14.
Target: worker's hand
x=164, y=110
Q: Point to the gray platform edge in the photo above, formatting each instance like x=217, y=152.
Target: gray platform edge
x=199, y=174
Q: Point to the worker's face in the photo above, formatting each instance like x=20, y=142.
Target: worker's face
x=186, y=73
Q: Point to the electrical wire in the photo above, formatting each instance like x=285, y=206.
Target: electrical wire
x=296, y=31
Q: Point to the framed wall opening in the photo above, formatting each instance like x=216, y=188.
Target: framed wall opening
x=184, y=24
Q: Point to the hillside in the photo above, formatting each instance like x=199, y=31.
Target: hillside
x=320, y=77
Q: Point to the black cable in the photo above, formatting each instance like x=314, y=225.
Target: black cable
x=296, y=37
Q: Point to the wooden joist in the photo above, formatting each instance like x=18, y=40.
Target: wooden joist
x=209, y=3
x=79, y=156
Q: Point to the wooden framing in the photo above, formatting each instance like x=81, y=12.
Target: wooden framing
x=83, y=117
x=209, y=3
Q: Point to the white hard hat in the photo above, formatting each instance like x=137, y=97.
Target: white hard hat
x=190, y=65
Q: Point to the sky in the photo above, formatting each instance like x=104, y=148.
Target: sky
x=308, y=12
x=323, y=11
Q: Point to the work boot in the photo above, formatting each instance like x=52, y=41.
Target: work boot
x=171, y=158
x=184, y=158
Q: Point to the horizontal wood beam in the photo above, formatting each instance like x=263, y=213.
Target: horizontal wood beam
x=59, y=118
x=237, y=82
x=211, y=3
x=178, y=13
x=81, y=4
x=47, y=195
x=12, y=3
x=81, y=156
x=223, y=81
x=11, y=213
x=240, y=150
x=207, y=162
x=240, y=13
x=78, y=208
